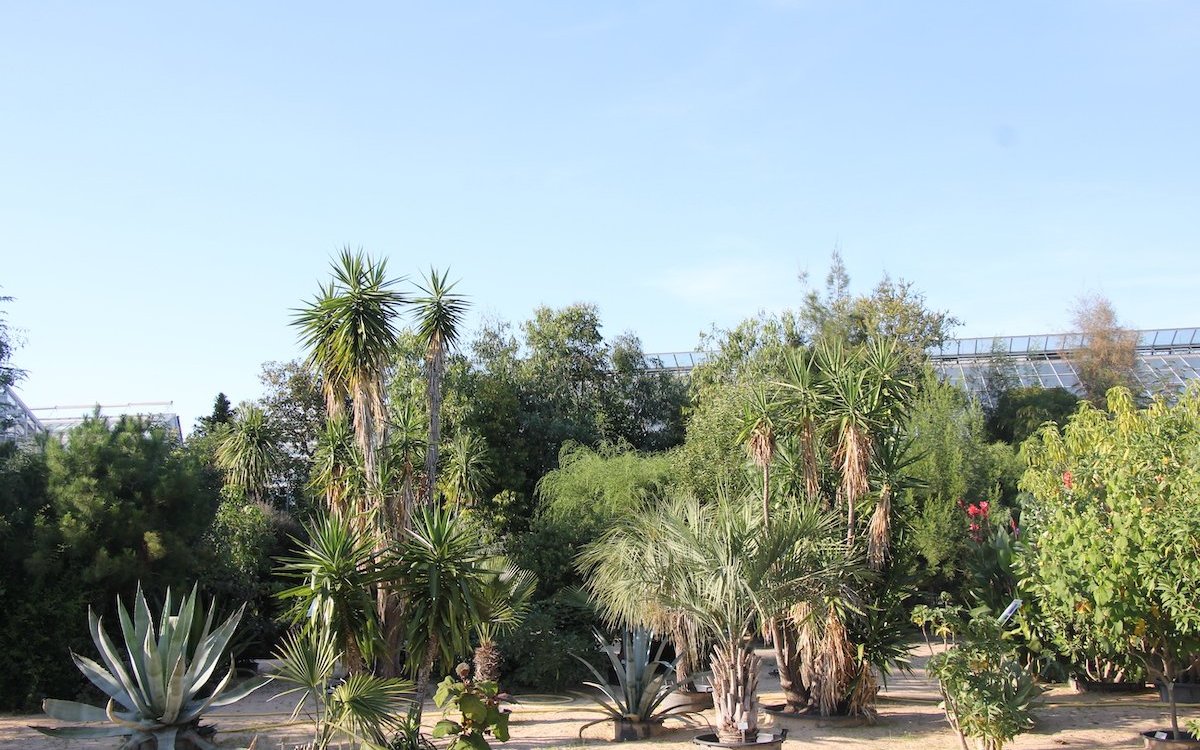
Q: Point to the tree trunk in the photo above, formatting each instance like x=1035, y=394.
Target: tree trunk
x=431, y=650
x=766, y=494
x=735, y=692
x=788, y=662
x=487, y=661
x=683, y=655
x=437, y=366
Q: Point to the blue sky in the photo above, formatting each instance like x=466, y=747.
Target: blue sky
x=176, y=176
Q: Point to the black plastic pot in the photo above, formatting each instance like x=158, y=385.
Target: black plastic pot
x=765, y=741
x=814, y=718
x=1084, y=685
x=625, y=730
x=1185, y=692
x=1164, y=740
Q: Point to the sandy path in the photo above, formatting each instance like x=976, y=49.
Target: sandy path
x=909, y=720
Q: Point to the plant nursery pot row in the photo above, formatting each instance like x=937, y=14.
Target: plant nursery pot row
x=1084, y=685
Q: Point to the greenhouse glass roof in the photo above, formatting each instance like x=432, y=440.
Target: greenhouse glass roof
x=1167, y=359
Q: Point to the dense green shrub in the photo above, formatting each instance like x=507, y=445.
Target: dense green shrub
x=538, y=653
x=1112, y=531
x=81, y=522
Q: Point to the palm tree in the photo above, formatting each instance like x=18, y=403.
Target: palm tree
x=350, y=332
x=504, y=594
x=363, y=707
x=336, y=573
x=467, y=470
x=248, y=452
x=439, y=314
x=437, y=573
x=728, y=571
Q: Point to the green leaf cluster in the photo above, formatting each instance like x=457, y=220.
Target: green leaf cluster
x=987, y=694
x=1112, y=545
x=479, y=715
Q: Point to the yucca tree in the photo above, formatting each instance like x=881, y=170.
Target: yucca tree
x=350, y=333
x=336, y=573
x=337, y=472
x=248, y=452
x=800, y=401
x=851, y=416
x=439, y=314
x=407, y=444
x=502, y=601
x=757, y=435
x=729, y=572
x=467, y=470
x=437, y=572
x=893, y=391
x=893, y=457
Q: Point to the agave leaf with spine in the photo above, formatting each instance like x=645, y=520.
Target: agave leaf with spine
x=156, y=691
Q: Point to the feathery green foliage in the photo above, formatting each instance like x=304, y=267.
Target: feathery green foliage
x=248, y=452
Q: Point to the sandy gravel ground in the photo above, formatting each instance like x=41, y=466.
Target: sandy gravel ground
x=909, y=720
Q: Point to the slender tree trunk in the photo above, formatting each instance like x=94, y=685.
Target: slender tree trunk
x=437, y=366
x=735, y=692
x=766, y=500
x=431, y=651
x=1169, y=675
x=352, y=656
x=812, y=472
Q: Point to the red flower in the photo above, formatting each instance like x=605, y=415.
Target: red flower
x=972, y=511
x=983, y=507
x=1067, y=480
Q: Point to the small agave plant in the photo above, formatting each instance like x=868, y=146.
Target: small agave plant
x=157, y=695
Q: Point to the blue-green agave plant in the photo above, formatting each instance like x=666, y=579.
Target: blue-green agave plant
x=157, y=695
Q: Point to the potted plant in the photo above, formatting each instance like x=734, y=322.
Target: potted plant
x=156, y=693
x=1113, y=534
x=730, y=572
x=986, y=692
x=635, y=704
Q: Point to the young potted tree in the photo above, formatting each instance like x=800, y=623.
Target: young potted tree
x=730, y=572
